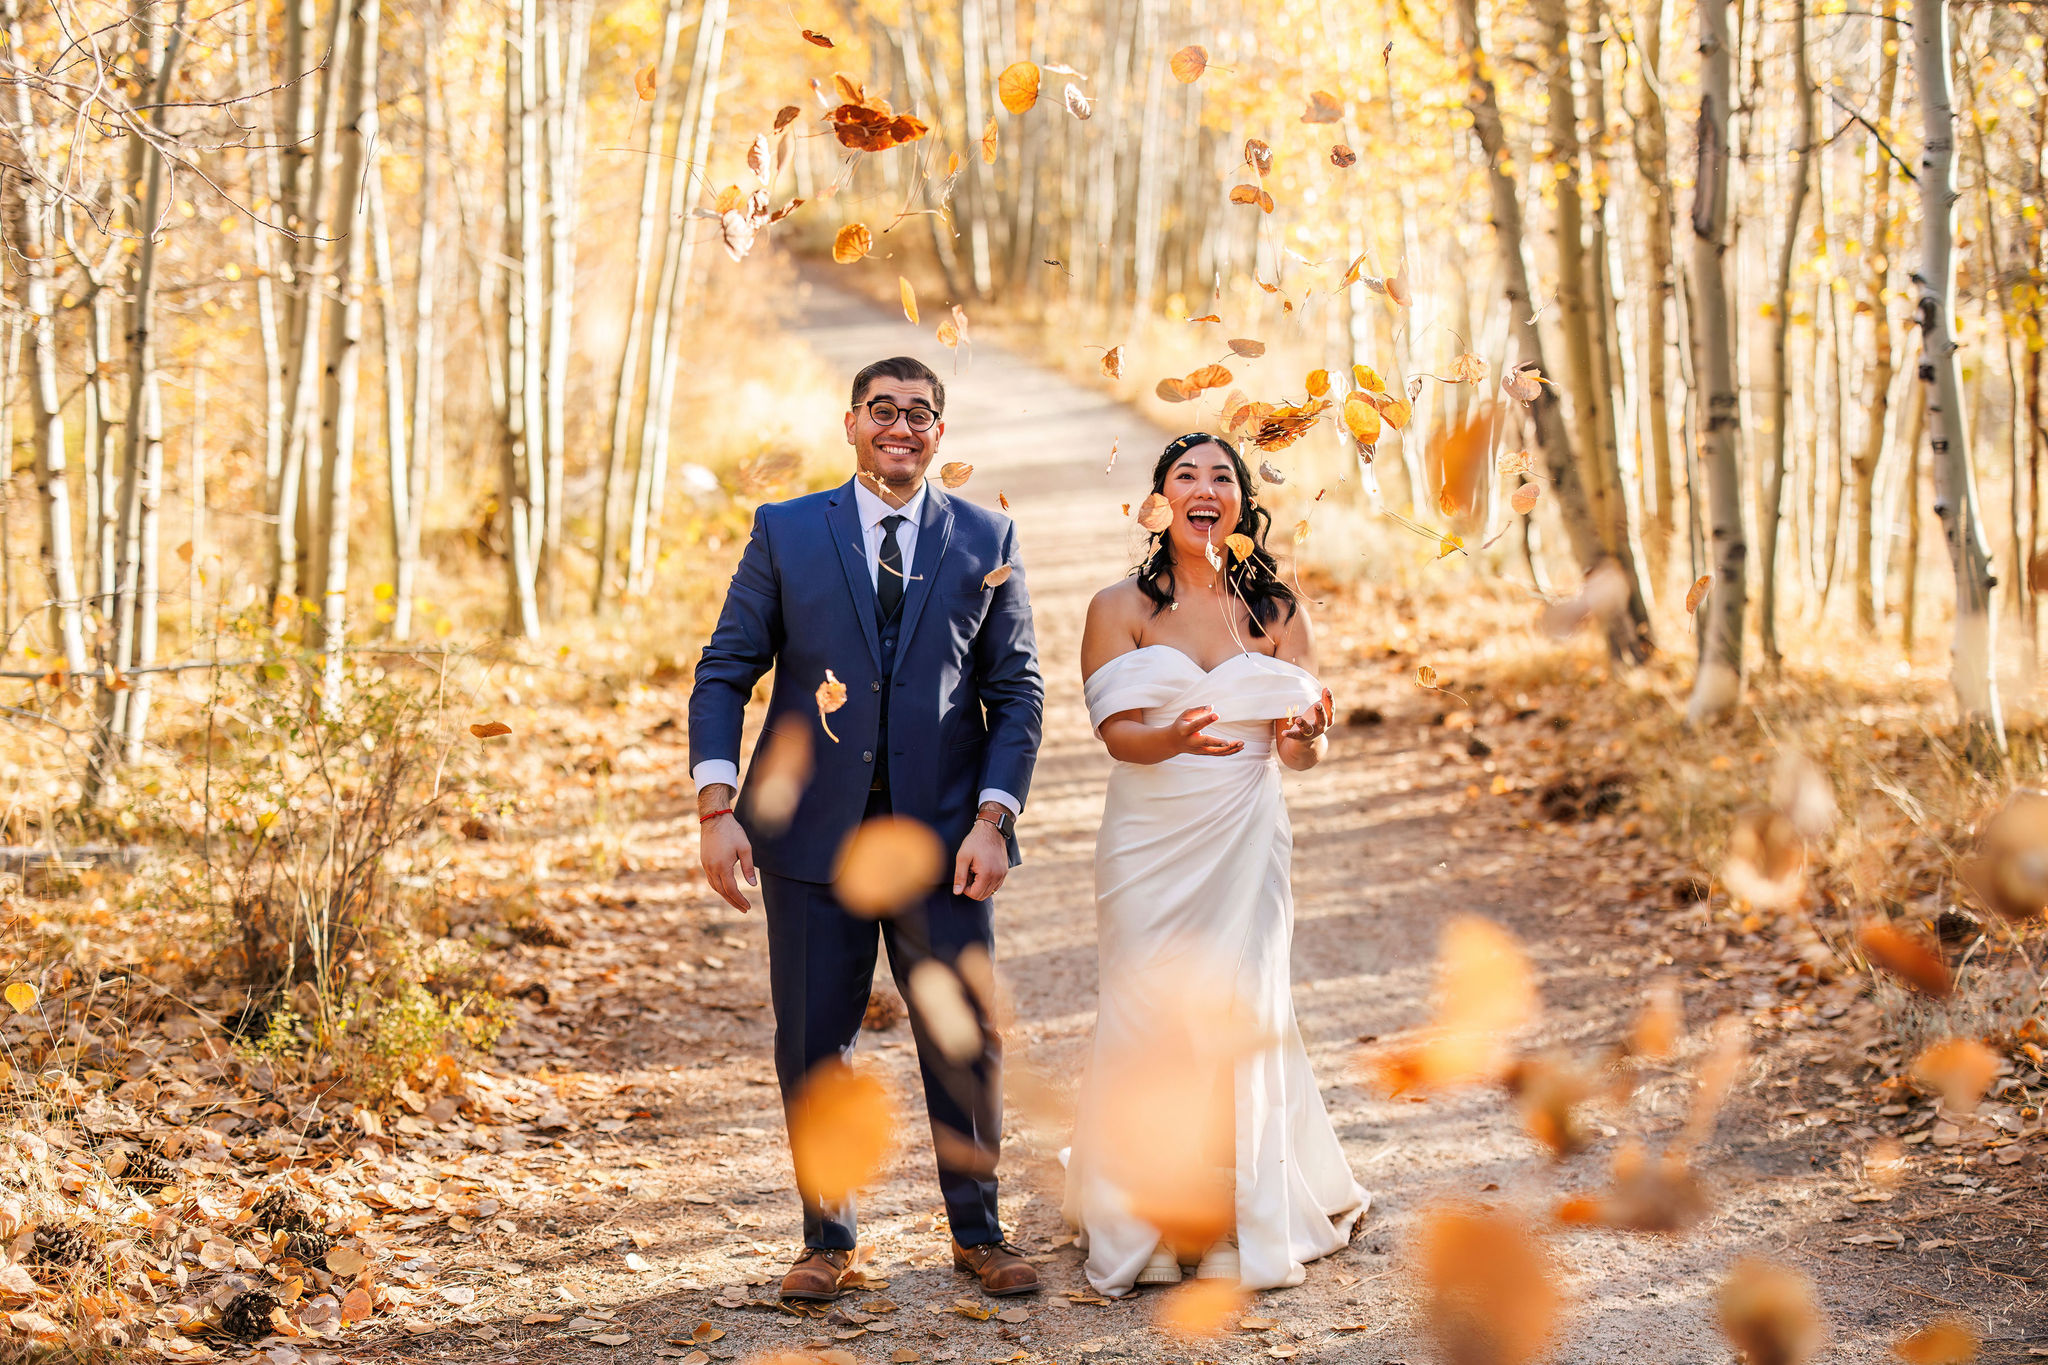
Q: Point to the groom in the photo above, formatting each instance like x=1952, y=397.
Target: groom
x=882, y=581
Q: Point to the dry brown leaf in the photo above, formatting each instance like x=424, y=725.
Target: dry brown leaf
x=909, y=298
x=841, y=1127
x=1200, y=1308
x=1962, y=1069
x=760, y=156
x=1468, y=368
x=1490, y=1287
x=1907, y=956
x=1174, y=390
x=1523, y=383
x=1251, y=194
x=1208, y=377
x=1660, y=1196
x=1323, y=107
x=1697, y=593
x=1189, y=63
x=1246, y=347
x=872, y=126
x=1269, y=473
x=1769, y=1313
x=1113, y=363
x=990, y=141
x=1657, y=1027
x=1549, y=1089
x=851, y=243
x=1259, y=156
x=786, y=115
x=954, y=473
x=1017, y=87
x=1524, y=498
x=818, y=39
x=1077, y=103
x=831, y=696
x=344, y=1260
x=1000, y=574
x=490, y=729
x=1724, y=1062
x=644, y=82
x=1155, y=513
x=1342, y=157
x=1947, y=1341
x=887, y=863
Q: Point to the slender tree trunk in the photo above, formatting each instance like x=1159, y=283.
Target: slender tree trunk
x=623, y=389
x=521, y=425
x=1718, y=685
x=1771, y=505
x=1877, y=262
x=1909, y=589
x=104, y=505
x=344, y=346
x=1955, y=482
x=421, y=436
x=398, y=458
x=981, y=197
x=566, y=58
x=1552, y=436
x=263, y=182
x=1654, y=179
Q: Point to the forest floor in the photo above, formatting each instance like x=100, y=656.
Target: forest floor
x=614, y=1184
x=657, y=1032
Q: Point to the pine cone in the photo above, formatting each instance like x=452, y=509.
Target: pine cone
x=147, y=1170
x=310, y=1247
x=247, y=1316
x=284, y=1210
x=60, y=1244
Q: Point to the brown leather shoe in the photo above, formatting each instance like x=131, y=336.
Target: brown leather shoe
x=999, y=1266
x=815, y=1276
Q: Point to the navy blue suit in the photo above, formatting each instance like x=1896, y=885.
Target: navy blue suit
x=956, y=667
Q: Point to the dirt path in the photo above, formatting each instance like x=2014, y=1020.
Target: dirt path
x=657, y=1035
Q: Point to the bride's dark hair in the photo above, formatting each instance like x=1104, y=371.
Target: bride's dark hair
x=1256, y=578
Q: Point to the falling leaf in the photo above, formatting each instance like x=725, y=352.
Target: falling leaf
x=1005, y=501
x=909, y=298
x=2009, y=870
x=948, y=335
x=840, y=1130
x=1449, y=545
x=817, y=39
x=1018, y=86
x=786, y=115
x=1206, y=317
x=1249, y=349
x=1769, y=1314
x=1468, y=368
x=1240, y=545
x=1113, y=363
x=1489, y=1285
x=1323, y=107
x=1524, y=499
x=1395, y=411
x=1301, y=531
x=643, y=82
x=1201, y=1308
x=1077, y=103
x=1208, y=377
x=1155, y=513
x=760, y=156
x=1397, y=290
x=1656, y=1030
x=1361, y=419
x=872, y=126
x=1523, y=383
x=1114, y=442
x=1189, y=63
x=1251, y=194
x=1174, y=390
x=1947, y=1341
x=1259, y=156
x=1000, y=574
x=1906, y=956
x=22, y=996
x=1962, y=1069
x=1697, y=593
x=885, y=864
x=954, y=473
x=1318, y=383
x=1661, y=1196
x=1342, y=157
x=938, y=1002
x=490, y=729
x=1270, y=474
x=851, y=243
x=1215, y=560
x=781, y=771
x=1425, y=676
x=989, y=142
x=831, y=696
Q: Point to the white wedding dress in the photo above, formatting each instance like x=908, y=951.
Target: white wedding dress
x=1191, y=882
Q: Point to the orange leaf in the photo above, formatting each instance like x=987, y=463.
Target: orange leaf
x=643, y=82
x=1174, y=390
x=1155, y=514
x=841, y=1128
x=1698, y=592
x=1323, y=107
x=1962, y=1069
x=1524, y=499
x=1249, y=349
x=851, y=243
x=490, y=729
x=1367, y=378
x=988, y=141
x=1000, y=574
x=1017, y=87
x=1113, y=363
x=909, y=298
x=1949, y=1341
x=1342, y=157
x=831, y=695
x=1456, y=466
x=1906, y=956
x=817, y=39
x=1395, y=410
x=1768, y=1312
x=1189, y=63
x=1201, y=1308
x=954, y=473
x=1318, y=383
x=1208, y=377
x=1490, y=1288
x=1361, y=419
x=1240, y=545
x=886, y=864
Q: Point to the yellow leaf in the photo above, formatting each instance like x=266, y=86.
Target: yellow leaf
x=1361, y=419
x=22, y=996
x=954, y=473
x=909, y=298
x=989, y=141
x=851, y=243
x=1425, y=676
x=1449, y=545
x=1018, y=86
x=1367, y=378
x=1318, y=383
x=1240, y=545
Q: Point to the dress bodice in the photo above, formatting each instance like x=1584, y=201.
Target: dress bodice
x=1247, y=691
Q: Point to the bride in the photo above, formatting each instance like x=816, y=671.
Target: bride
x=1201, y=1139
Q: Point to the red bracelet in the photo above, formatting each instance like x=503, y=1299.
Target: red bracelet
x=707, y=819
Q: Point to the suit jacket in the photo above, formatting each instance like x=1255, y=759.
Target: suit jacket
x=965, y=703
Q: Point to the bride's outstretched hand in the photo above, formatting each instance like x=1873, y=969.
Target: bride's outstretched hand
x=1310, y=725
x=1189, y=739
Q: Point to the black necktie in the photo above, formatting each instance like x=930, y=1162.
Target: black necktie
x=889, y=581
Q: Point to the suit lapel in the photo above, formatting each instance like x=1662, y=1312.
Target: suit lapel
x=933, y=534
x=842, y=523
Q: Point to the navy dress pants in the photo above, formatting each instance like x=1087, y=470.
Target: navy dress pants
x=821, y=969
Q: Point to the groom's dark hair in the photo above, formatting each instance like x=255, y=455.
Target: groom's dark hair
x=900, y=367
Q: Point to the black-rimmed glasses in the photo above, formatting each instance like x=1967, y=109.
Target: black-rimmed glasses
x=885, y=414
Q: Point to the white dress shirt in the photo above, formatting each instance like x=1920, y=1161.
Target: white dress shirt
x=868, y=505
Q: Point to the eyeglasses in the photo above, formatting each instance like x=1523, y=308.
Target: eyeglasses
x=885, y=414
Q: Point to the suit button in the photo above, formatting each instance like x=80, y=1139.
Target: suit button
x=875, y=686
x=867, y=756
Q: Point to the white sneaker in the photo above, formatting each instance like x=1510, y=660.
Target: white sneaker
x=1163, y=1268
x=1219, y=1262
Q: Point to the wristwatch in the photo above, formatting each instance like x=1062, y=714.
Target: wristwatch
x=1003, y=820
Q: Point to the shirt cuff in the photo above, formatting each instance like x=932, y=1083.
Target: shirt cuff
x=713, y=772
x=997, y=795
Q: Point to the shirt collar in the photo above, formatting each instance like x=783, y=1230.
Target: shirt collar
x=872, y=509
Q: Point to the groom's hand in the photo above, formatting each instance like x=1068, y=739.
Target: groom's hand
x=721, y=843
x=982, y=863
